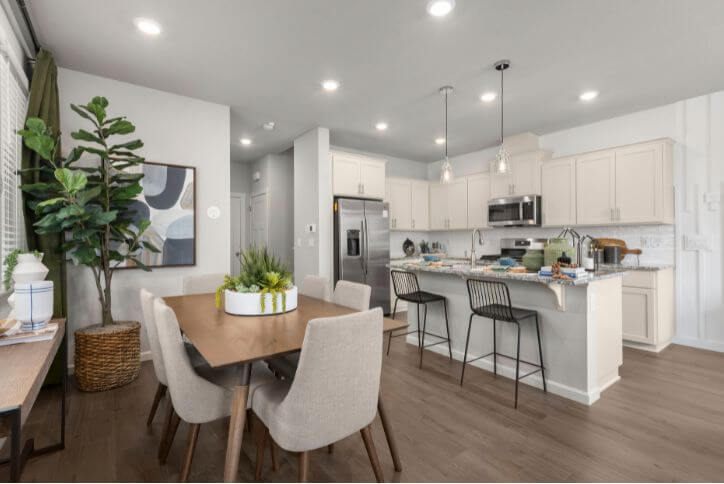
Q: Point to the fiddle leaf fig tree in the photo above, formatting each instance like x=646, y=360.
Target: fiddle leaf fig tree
x=90, y=203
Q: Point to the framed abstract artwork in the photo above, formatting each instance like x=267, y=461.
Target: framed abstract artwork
x=168, y=200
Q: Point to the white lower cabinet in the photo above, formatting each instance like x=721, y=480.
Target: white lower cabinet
x=648, y=309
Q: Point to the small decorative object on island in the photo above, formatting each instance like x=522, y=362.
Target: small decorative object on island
x=408, y=247
x=32, y=302
x=564, y=260
x=263, y=287
x=92, y=205
x=554, y=249
x=533, y=260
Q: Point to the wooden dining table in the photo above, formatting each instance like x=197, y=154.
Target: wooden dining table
x=224, y=339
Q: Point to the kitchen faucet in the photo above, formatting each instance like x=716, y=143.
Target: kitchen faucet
x=472, y=245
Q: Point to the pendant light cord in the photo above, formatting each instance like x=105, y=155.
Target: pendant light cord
x=446, y=125
x=501, y=105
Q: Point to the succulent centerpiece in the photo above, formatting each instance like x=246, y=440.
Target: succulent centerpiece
x=264, y=286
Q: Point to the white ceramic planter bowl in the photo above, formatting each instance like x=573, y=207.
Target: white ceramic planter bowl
x=249, y=303
x=33, y=303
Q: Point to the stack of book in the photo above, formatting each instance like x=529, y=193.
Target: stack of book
x=12, y=338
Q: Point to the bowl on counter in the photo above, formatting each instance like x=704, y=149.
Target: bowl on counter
x=431, y=258
x=506, y=262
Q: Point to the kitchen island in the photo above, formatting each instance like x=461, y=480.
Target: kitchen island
x=580, y=323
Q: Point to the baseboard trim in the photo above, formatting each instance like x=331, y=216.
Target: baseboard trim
x=701, y=344
x=647, y=347
x=507, y=370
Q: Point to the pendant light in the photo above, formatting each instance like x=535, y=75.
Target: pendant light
x=502, y=159
x=446, y=173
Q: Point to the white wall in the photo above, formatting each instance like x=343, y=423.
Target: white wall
x=174, y=129
x=313, y=205
x=696, y=126
x=240, y=177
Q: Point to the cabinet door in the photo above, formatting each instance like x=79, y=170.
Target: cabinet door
x=420, y=205
x=457, y=208
x=558, y=192
x=400, y=208
x=372, y=178
x=595, y=188
x=345, y=175
x=438, y=206
x=639, y=183
x=525, y=175
x=500, y=185
x=478, y=195
x=638, y=314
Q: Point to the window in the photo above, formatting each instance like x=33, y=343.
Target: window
x=13, y=105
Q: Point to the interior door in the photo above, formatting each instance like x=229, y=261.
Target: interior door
x=478, y=195
x=259, y=224
x=238, y=231
x=457, y=196
x=639, y=182
x=420, y=200
x=350, y=248
x=438, y=206
x=377, y=253
x=345, y=175
x=595, y=188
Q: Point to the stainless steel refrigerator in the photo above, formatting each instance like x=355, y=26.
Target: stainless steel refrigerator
x=362, y=246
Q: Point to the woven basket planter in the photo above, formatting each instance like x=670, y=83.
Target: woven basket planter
x=107, y=356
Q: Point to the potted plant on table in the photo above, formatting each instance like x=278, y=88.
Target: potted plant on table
x=264, y=286
x=91, y=205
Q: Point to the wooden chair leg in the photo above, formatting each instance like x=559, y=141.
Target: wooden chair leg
x=303, y=467
x=372, y=453
x=273, y=449
x=190, y=447
x=160, y=392
x=330, y=449
x=165, y=446
x=260, y=446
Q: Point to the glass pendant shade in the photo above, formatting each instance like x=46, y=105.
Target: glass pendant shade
x=502, y=161
x=446, y=173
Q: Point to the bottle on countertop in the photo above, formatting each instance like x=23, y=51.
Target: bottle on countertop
x=564, y=259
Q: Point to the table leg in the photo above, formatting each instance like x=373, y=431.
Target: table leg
x=15, y=459
x=388, y=434
x=236, y=424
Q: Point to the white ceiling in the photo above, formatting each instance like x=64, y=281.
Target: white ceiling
x=266, y=58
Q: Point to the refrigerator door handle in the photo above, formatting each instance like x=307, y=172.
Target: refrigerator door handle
x=367, y=248
x=363, y=246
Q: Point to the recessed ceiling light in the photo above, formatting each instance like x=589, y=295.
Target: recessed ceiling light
x=440, y=8
x=245, y=141
x=588, y=96
x=439, y=141
x=488, y=97
x=330, y=85
x=269, y=125
x=381, y=126
x=147, y=26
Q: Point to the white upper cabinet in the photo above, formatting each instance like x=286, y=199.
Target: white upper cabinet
x=448, y=205
x=595, y=188
x=357, y=175
x=523, y=177
x=558, y=192
x=478, y=196
x=438, y=206
x=420, y=205
x=399, y=198
x=627, y=185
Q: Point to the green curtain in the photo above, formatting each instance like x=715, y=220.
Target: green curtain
x=43, y=103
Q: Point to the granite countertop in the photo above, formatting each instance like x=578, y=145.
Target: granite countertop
x=465, y=270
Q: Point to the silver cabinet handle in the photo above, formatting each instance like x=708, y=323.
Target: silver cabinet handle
x=413, y=223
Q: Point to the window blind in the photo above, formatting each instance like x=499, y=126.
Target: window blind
x=13, y=106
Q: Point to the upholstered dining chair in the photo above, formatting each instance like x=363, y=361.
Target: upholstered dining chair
x=202, y=283
x=315, y=286
x=197, y=396
x=334, y=392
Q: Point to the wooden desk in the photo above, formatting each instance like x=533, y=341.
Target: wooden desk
x=23, y=368
x=224, y=339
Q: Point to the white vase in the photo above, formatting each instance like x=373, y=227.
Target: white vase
x=30, y=268
x=249, y=303
x=32, y=300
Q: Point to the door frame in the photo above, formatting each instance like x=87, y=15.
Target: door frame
x=243, y=223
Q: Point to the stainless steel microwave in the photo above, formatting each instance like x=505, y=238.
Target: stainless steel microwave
x=515, y=211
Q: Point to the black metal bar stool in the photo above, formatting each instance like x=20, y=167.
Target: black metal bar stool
x=406, y=288
x=491, y=299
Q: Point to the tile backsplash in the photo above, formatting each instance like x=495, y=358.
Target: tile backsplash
x=657, y=242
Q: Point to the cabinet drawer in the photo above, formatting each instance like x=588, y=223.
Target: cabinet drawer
x=643, y=279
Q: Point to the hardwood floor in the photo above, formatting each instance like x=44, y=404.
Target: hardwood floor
x=664, y=421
